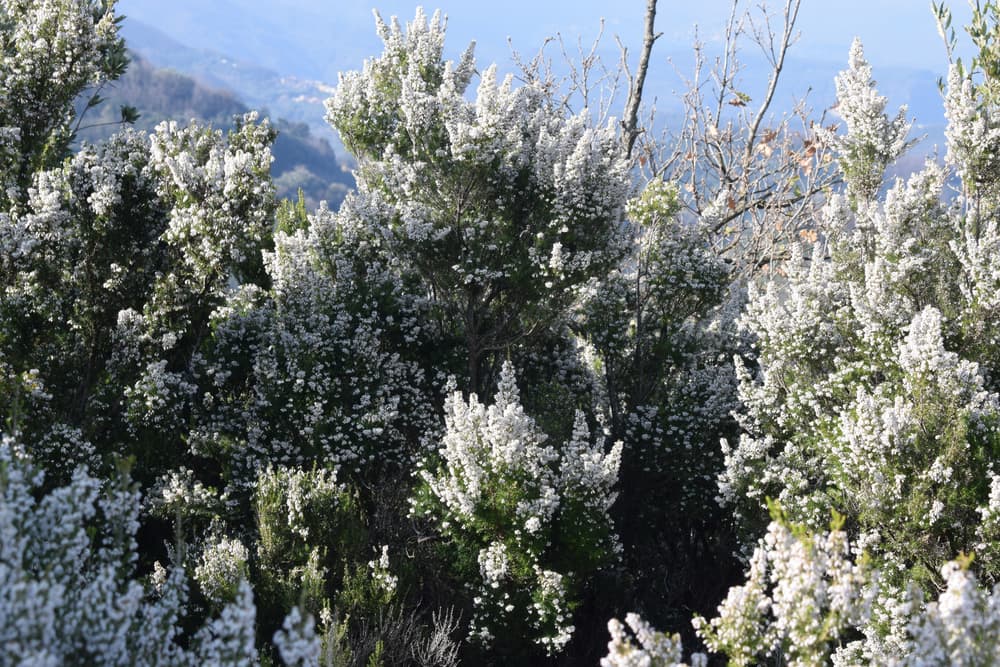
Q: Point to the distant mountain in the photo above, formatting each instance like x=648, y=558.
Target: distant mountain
x=255, y=50
x=301, y=158
x=295, y=99
x=293, y=37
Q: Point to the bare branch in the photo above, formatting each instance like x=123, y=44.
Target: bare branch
x=778, y=62
x=630, y=120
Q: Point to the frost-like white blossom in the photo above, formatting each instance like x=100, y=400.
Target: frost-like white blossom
x=223, y=566
x=297, y=642
x=500, y=488
x=802, y=593
x=873, y=140
x=329, y=377
x=871, y=386
x=962, y=627
x=499, y=201
x=654, y=648
x=53, y=51
x=381, y=575
x=68, y=588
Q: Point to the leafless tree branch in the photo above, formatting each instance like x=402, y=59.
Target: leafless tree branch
x=630, y=119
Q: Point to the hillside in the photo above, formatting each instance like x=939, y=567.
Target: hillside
x=288, y=96
x=301, y=158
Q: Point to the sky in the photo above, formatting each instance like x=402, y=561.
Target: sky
x=895, y=32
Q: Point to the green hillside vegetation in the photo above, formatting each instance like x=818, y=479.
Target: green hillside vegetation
x=302, y=160
x=539, y=371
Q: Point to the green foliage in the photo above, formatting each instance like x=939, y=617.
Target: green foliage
x=308, y=530
x=529, y=518
x=501, y=206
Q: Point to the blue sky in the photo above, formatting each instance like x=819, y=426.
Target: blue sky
x=895, y=32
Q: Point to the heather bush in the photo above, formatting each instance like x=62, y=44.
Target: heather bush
x=527, y=520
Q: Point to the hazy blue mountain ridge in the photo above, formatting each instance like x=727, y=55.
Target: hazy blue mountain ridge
x=288, y=61
x=268, y=60
x=289, y=97
x=301, y=158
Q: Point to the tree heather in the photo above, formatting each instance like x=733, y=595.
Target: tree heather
x=741, y=377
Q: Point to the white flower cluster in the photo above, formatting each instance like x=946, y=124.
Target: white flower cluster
x=297, y=642
x=326, y=380
x=873, y=141
x=973, y=137
x=381, y=575
x=66, y=591
x=494, y=202
x=223, y=566
x=550, y=612
x=222, y=192
x=52, y=51
x=500, y=485
x=159, y=398
x=295, y=493
x=180, y=493
x=872, y=386
x=803, y=597
x=801, y=594
x=655, y=649
x=493, y=565
x=65, y=448
x=961, y=628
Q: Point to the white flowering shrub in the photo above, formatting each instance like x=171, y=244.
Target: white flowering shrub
x=871, y=387
x=802, y=595
x=307, y=531
x=528, y=520
x=654, y=323
x=69, y=590
x=93, y=251
x=501, y=205
x=872, y=141
x=803, y=602
x=270, y=376
x=317, y=368
x=70, y=46
x=65, y=260
x=855, y=391
x=147, y=312
x=221, y=569
x=654, y=648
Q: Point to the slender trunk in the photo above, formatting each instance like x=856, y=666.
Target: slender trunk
x=474, y=356
x=473, y=342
